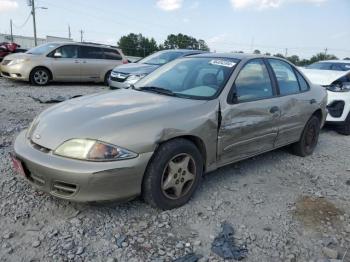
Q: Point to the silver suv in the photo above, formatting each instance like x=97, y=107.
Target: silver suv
x=76, y=62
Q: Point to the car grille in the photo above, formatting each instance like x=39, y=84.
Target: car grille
x=119, y=77
x=336, y=108
x=6, y=62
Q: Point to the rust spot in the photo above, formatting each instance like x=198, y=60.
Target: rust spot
x=316, y=212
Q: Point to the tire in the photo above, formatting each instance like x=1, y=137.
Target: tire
x=40, y=76
x=345, y=128
x=107, y=78
x=168, y=172
x=309, y=138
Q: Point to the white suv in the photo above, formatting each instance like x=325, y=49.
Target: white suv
x=338, y=87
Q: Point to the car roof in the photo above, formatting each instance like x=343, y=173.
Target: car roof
x=334, y=61
x=84, y=44
x=184, y=51
x=240, y=56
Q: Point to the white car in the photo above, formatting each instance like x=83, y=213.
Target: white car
x=338, y=87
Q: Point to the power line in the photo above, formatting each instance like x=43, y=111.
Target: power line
x=25, y=22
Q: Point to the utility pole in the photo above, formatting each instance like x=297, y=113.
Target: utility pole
x=325, y=51
x=69, y=33
x=34, y=23
x=11, y=30
x=81, y=35
x=286, y=53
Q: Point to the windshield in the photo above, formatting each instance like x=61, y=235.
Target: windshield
x=196, y=78
x=160, y=58
x=42, y=49
x=321, y=66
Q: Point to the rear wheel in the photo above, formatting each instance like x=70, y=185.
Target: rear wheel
x=345, y=128
x=173, y=174
x=309, y=138
x=40, y=76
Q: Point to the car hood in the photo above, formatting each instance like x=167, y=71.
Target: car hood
x=119, y=117
x=136, y=68
x=323, y=77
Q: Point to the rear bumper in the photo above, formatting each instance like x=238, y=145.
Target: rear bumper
x=81, y=181
x=338, y=106
x=16, y=72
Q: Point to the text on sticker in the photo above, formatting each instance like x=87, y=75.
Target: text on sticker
x=220, y=62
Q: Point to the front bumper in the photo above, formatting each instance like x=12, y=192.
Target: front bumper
x=16, y=72
x=338, y=106
x=78, y=180
x=117, y=85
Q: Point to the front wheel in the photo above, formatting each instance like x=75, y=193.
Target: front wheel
x=173, y=174
x=40, y=76
x=107, y=75
x=345, y=128
x=309, y=138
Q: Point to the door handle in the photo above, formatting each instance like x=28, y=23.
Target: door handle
x=84, y=62
x=313, y=101
x=274, y=109
x=76, y=61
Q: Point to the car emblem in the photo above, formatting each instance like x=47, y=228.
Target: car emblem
x=37, y=136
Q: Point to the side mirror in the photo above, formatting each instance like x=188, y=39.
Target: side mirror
x=57, y=55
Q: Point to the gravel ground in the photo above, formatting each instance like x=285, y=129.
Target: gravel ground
x=283, y=207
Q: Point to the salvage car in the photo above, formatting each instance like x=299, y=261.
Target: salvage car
x=65, y=62
x=190, y=116
x=337, y=84
x=127, y=75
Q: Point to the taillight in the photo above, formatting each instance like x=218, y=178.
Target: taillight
x=125, y=61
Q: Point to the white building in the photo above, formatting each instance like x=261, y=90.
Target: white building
x=27, y=42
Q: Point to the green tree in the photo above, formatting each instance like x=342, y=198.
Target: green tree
x=293, y=59
x=137, y=45
x=181, y=41
x=257, y=52
x=279, y=55
x=321, y=57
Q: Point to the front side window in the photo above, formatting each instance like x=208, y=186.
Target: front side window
x=42, y=49
x=160, y=58
x=253, y=82
x=196, y=78
x=286, y=79
x=111, y=54
x=90, y=52
x=67, y=51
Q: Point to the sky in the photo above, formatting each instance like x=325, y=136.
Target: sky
x=300, y=27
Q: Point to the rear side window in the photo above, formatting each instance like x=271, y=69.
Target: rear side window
x=286, y=78
x=304, y=86
x=111, y=54
x=253, y=82
x=91, y=52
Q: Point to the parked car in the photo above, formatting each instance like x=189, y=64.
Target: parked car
x=9, y=48
x=126, y=75
x=336, y=65
x=337, y=84
x=192, y=115
x=81, y=62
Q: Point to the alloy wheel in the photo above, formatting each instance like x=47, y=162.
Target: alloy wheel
x=41, y=77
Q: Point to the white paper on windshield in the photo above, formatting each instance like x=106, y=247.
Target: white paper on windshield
x=221, y=62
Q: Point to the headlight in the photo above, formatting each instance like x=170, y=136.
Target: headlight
x=92, y=150
x=342, y=87
x=17, y=61
x=134, y=78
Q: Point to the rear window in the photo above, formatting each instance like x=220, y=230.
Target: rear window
x=112, y=54
x=91, y=52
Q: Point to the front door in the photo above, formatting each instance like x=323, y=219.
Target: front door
x=250, y=120
x=65, y=63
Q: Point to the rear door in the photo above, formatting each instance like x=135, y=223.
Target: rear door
x=92, y=63
x=293, y=99
x=250, y=118
x=66, y=65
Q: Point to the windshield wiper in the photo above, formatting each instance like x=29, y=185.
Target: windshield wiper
x=158, y=90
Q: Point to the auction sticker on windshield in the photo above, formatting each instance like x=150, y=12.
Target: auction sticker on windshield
x=221, y=62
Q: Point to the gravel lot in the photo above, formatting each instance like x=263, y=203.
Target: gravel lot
x=285, y=208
